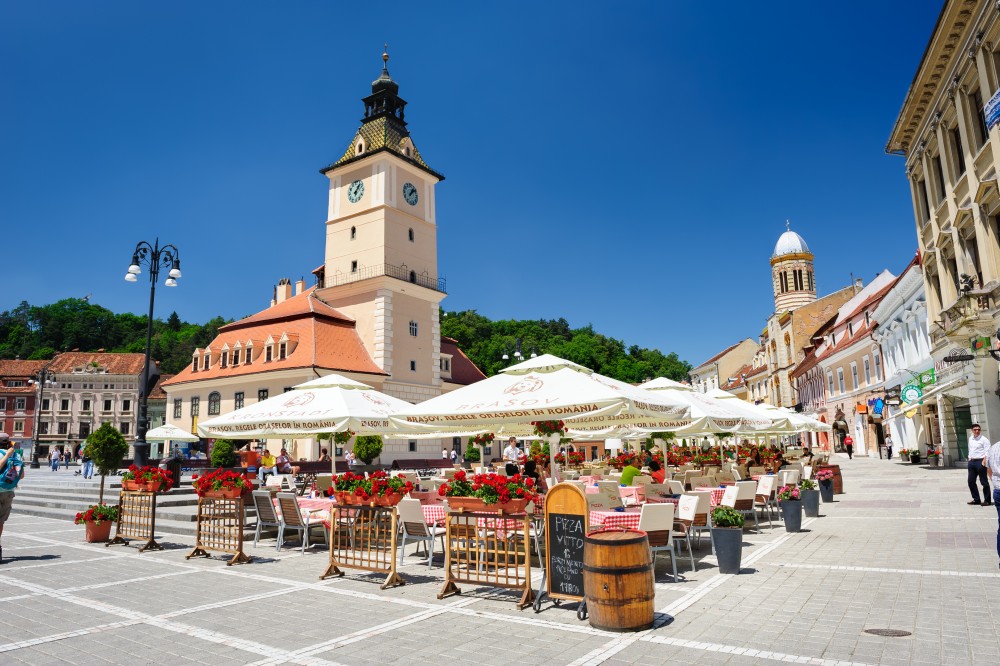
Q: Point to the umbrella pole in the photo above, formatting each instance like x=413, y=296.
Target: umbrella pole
x=553, y=445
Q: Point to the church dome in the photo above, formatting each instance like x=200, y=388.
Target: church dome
x=790, y=243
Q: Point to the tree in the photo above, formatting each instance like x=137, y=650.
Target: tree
x=472, y=453
x=223, y=454
x=107, y=448
x=368, y=448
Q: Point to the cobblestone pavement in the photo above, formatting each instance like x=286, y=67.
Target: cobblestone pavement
x=900, y=550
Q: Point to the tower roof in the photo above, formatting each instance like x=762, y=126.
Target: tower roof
x=790, y=243
x=383, y=127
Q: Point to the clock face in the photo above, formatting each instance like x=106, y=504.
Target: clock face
x=410, y=193
x=355, y=191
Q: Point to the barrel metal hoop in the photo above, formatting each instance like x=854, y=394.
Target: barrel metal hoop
x=635, y=568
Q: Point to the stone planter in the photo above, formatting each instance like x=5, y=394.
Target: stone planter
x=728, y=544
x=826, y=490
x=810, y=502
x=791, y=511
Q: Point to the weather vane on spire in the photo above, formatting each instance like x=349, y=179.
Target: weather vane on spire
x=788, y=225
x=385, y=55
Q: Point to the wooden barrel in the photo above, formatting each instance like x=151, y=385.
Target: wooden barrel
x=618, y=580
x=838, y=480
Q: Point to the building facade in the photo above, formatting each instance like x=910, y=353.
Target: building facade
x=723, y=367
x=842, y=372
x=90, y=389
x=951, y=156
x=901, y=333
x=373, y=313
x=18, y=400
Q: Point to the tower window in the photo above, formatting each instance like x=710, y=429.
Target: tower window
x=809, y=278
x=360, y=148
x=413, y=328
x=413, y=366
x=354, y=266
x=783, y=279
x=354, y=233
x=411, y=235
x=413, y=277
x=797, y=276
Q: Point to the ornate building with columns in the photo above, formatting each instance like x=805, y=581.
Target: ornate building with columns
x=951, y=147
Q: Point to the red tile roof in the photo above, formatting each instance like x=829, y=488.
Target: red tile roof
x=463, y=370
x=20, y=371
x=158, y=393
x=110, y=362
x=320, y=337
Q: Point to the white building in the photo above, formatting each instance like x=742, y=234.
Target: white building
x=901, y=331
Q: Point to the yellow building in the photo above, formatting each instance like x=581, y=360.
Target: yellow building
x=373, y=313
x=951, y=147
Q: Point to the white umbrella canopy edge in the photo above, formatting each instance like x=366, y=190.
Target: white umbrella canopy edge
x=168, y=431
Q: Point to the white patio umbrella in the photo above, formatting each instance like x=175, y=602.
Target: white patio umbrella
x=542, y=389
x=169, y=432
x=328, y=404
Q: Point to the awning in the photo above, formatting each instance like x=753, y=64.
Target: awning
x=941, y=387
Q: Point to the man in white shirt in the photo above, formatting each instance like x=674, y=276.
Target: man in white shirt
x=993, y=465
x=444, y=453
x=512, y=455
x=979, y=446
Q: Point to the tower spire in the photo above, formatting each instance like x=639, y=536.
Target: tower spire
x=788, y=225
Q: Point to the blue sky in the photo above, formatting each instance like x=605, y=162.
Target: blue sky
x=627, y=165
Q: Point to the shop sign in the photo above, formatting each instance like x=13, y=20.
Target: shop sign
x=926, y=378
x=992, y=110
x=911, y=394
x=876, y=406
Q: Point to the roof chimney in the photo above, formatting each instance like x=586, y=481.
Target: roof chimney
x=283, y=291
x=300, y=286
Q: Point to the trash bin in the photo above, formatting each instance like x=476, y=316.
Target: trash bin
x=174, y=467
x=618, y=579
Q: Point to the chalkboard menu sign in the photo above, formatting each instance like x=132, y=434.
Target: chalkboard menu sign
x=565, y=552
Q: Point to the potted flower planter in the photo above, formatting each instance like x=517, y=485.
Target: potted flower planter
x=466, y=504
x=98, y=532
x=791, y=511
x=728, y=544
x=389, y=499
x=225, y=493
x=810, y=502
x=826, y=490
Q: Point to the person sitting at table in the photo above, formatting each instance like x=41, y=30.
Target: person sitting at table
x=656, y=471
x=267, y=465
x=394, y=465
x=753, y=460
x=629, y=473
x=324, y=455
x=283, y=462
x=778, y=461
x=807, y=454
x=531, y=471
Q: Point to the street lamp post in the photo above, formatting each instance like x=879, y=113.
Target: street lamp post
x=154, y=257
x=43, y=378
x=518, y=356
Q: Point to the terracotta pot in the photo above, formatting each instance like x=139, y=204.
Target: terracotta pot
x=149, y=487
x=514, y=506
x=97, y=533
x=129, y=484
x=390, y=499
x=233, y=493
x=466, y=503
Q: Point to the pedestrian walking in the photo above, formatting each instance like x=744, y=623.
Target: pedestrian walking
x=66, y=456
x=88, y=465
x=849, y=445
x=888, y=447
x=9, y=478
x=993, y=465
x=454, y=456
x=54, y=459
x=979, y=446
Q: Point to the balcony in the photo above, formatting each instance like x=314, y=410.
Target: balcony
x=972, y=314
x=398, y=272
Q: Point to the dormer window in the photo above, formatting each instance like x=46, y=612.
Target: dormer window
x=282, y=348
x=360, y=148
x=206, y=360
x=194, y=364
x=236, y=357
x=224, y=360
x=248, y=356
x=268, y=351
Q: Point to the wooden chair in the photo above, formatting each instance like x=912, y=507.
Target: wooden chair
x=414, y=528
x=266, y=516
x=657, y=521
x=291, y=518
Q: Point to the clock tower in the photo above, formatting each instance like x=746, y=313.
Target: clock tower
x=380, y=263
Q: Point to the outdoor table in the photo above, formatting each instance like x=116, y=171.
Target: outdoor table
x=426, y=496
x=591, y=478
x=637, y=494
x=717, y=493
x=659, y=499
x=434, y=514
x=627, y=518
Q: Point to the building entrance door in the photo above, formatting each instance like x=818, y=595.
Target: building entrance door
x=963, y=421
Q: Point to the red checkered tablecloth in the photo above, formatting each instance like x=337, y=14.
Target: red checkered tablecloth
x=433, y=514
x=717, y=493
x=614, y=519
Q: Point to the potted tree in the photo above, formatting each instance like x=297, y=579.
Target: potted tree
x=223, y=454
x=107, y=448
x=727, y=538
x=791, y=507
x=367, y=448
x=810, y=497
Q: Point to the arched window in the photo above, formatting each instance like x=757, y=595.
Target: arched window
x=214, y=400
x=354, y=233
x=411, y=235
